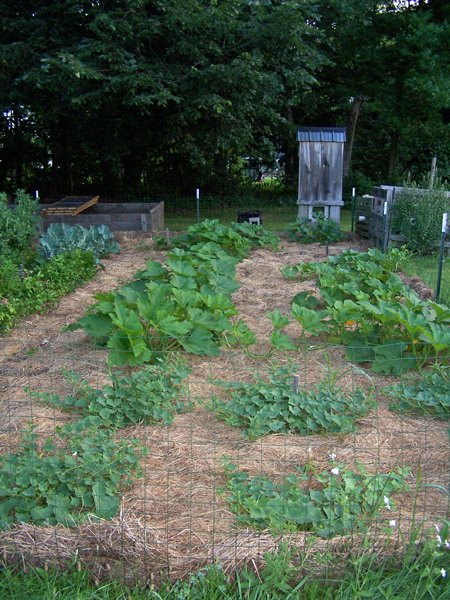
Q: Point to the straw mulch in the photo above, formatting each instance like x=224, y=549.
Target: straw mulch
x=174, y=518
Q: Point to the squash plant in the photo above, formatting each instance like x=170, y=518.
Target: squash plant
x=185, y=303
x=372, y=312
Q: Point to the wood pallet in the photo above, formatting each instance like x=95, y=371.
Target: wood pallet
x=70, y=205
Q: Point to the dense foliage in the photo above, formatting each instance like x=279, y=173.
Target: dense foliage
x=427, y=395
x=159, y=94
x=417, y=216
x=273, y=405
x=18, y=226
x=182, y=304
x=319, y=229
x=66, y=479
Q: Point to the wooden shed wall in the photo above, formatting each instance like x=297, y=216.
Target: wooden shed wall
x=320, y=173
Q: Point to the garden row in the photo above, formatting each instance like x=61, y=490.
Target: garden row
x=34, y=273
x=185, y=305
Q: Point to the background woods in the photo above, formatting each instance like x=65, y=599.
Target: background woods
x=153, y=95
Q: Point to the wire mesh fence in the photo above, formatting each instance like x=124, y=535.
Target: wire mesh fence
x=154, y=471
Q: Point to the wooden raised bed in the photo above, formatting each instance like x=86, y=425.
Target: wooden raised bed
x=132, y=216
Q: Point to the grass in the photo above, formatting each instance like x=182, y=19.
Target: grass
x=275, y=218
x=417, y=575
x=426, y=267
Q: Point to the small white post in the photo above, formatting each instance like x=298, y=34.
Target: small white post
x=36, y=194
x=197, y=196
x=433, y=171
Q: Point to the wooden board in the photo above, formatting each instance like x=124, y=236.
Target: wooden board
x=70, y=205
x=320, y=178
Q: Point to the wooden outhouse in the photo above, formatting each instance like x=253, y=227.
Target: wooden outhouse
x=320, y=173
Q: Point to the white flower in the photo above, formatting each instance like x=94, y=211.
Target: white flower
x=332, y=456
x=443, y=573
x=439, y=540
x=335, y=471
x=437, y=528
x=309, y=450
x=387, y=502
x=447, y=544
x=392, y=523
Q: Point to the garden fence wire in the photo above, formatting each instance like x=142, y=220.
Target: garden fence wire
x=208, y=459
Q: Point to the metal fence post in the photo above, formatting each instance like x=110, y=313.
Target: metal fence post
x=441, y=255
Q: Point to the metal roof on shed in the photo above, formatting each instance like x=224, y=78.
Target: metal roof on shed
x=321, y=134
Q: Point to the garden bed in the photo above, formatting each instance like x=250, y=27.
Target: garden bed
x=174, y=518
x=128, y=216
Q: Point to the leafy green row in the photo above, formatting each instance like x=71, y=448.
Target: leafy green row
x=24, y=293
x=368, y=308
x=185, y=303
x=237, y=240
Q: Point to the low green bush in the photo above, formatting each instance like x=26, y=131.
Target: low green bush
x=319, y=229
x=62, y=239
x=429, y=395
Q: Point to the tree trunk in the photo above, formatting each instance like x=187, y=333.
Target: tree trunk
x=357, y=103
x=395, y=138
x=290, y=149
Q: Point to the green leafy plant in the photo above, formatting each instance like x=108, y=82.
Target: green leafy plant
x=334, y=502
x=417, y=215
x=62, y=239
x=155, y=393
x=428, y=395
x=66, y=479
x=38, y=288
x=368, y=308
x=185, y=303
x=318, y=229
x=18, y=226
x=273, y=405
x=257, y=234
